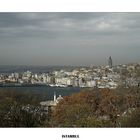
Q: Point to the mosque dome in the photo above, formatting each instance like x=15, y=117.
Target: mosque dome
x=59, y=98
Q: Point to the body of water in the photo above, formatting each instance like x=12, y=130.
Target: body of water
x=44, y=92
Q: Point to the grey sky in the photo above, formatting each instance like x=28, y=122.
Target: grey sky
x=69, y=38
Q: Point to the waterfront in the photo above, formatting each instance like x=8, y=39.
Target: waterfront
x=44, y=92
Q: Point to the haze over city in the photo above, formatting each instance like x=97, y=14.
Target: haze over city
x=69, y=38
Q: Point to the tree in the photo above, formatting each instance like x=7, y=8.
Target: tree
x=132, y=119
x=86, y=109
x=108, y=105
x=73, y=108
x=15, y=110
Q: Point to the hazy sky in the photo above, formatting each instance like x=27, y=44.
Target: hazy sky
x=69, y=38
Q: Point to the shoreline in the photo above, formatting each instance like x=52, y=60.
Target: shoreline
x=30, y=85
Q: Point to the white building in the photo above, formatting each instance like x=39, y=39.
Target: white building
x=51, y=103
x=91, y=83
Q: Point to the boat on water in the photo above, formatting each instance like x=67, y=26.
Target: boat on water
x=57, y=85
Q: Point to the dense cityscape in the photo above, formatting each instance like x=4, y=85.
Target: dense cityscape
x=103, y=77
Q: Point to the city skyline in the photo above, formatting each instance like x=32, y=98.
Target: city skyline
x=77, y=39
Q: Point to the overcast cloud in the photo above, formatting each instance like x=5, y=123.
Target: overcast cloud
x=69, y=38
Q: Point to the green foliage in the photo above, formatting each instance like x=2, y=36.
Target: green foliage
x=132, y=120
x=92, y=122
x=20, y=110
x=22, y=98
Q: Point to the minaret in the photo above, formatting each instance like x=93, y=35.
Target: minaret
x=54, y=97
